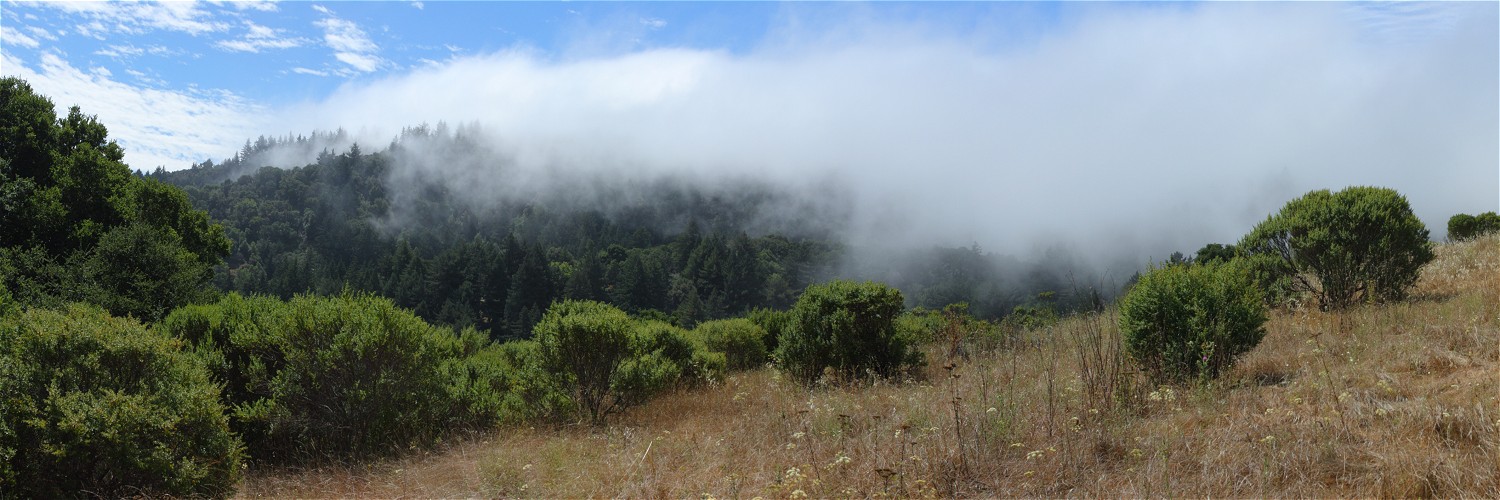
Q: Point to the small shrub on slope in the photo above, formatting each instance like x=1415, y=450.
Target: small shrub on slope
x=1190, y=321
x=849, y=328
x=609, y=362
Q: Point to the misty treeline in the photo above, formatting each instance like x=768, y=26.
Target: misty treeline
x=443, y=224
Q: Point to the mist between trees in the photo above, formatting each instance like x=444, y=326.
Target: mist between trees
x=449, y=224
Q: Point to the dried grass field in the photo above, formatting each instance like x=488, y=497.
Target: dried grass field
x=1399, y=400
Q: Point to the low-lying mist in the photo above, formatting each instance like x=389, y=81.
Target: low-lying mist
x=1118, y=139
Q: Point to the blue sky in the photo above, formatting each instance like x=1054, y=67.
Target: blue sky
x=1238, y=106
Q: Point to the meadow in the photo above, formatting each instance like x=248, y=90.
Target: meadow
x=1395, y=400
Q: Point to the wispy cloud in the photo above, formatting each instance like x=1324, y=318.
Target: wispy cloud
x=157, y=127
x=654, y=22
x=349, y=42
x=306, y=71
x=15, y=36
x=126, y=51
x=418, y=5
x=258, y=38
x=137, y=18
x=258, y=5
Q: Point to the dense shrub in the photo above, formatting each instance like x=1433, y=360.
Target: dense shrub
x=772, y=321
x=324, y=377
x=530, y=392
x=1187, y=321
x=848, y=328
x=1362, y=243
x=1464, y=226
x=739, y=339
x=698, y=363
x=96, y=405
x=604, y=359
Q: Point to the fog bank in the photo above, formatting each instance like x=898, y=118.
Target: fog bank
x=1128, y=133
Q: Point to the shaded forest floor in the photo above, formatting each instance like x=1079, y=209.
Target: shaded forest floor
x=1396, y=400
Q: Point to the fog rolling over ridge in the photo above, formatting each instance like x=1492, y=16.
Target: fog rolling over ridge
x=1125, y=136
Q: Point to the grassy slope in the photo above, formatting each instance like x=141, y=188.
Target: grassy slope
x=1398, y=400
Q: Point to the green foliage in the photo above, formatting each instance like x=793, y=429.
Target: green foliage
x=921, y=325
x=583, y=345
x=96, y=405
x=1362, y=243
x=848, y=328
x=79, y=226
x=144, y=271
x=535, y=393
x=772, y=321
x=609, y=362
x=1214, y=252
x=350, y=375
x=739, y=339
x=1466, y=227
x=1187, y=321
x=955, y=328
x=697, y=362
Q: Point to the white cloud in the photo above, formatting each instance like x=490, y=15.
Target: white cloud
x=127, y=51
x=307, y=71
x=41, y=33
x=156, y=127
x=418, y=5
x=350, y=44
x=361, y=62
x=259, y=5
x=14, y=36
x=1144, y=130
x=259, y=38
x=137, y=18
x=654, y=23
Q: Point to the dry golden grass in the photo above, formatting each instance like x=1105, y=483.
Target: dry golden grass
x=1399, y=400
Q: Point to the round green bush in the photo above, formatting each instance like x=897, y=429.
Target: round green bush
x=1191, y=320
x=740, y=340
x=1467, y=227
x=848, y=328
x=100, y=406
x=1359, y=244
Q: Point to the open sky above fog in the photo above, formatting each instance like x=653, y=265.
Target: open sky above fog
x=1150, y=126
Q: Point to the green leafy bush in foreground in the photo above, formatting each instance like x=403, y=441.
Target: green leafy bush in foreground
x=1191, y=320
x=350, y=375
x=848, y=328
x=96, y=405
x=608, y=361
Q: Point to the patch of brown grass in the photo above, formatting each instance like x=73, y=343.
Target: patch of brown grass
x=1398, y=400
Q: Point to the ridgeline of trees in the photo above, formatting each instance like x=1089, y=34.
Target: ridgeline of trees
x=379, y=223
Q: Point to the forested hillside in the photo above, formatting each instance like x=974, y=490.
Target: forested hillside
x=407, y=222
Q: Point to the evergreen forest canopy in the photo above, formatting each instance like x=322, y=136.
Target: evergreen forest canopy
x=446, y=226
